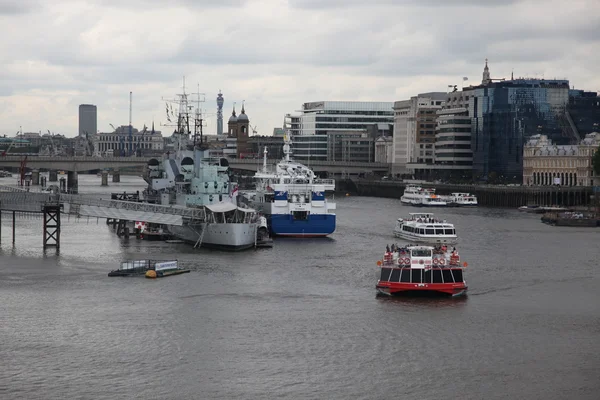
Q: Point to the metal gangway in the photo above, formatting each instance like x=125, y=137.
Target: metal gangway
x=23, y=200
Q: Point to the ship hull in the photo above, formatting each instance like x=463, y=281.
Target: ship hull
x=421, y=289
x=415, y=204
x=317, y=225
x=231, y=237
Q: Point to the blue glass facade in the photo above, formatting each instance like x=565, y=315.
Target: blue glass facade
x=505, y=114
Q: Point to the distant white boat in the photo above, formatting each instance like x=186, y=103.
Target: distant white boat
x=461, y=199
x=421, y=197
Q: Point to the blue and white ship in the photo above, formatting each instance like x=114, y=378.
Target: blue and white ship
x=292, y=198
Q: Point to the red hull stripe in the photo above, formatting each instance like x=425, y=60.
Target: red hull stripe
x=449, y=288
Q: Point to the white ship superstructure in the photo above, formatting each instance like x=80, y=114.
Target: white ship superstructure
x=293, y=199
x=425, y=228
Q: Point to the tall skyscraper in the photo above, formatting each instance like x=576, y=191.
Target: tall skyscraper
x=88, y=119
x=220, y=101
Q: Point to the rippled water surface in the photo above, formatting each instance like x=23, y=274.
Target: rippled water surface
x=300, y=320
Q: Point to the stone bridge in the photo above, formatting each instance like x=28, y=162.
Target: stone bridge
x=79, y=164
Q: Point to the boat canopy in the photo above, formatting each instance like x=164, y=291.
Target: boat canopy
x=226, y=207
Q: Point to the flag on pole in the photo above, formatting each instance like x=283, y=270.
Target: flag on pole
x=234, y=193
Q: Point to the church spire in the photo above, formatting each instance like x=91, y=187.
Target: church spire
x=233, y=112
x=486, y=74
x=243, y=111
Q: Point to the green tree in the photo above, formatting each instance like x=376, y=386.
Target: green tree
x=596, y=161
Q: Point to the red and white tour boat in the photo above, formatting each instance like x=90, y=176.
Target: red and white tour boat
x=415, y=269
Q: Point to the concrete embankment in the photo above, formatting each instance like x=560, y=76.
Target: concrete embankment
x=487, y=195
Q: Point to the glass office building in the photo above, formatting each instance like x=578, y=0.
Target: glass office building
x=505, y=114
x=320, y=126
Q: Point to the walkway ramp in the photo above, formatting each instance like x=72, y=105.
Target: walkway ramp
x=16, y=199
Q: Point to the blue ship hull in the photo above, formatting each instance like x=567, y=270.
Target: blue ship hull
x=316, y=225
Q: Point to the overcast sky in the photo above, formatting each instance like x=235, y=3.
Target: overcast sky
x=274, y=54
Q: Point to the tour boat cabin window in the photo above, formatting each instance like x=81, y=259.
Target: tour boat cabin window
x=421, y=253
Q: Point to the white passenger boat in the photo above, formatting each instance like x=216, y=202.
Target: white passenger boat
x=461, y=199
x=424, y=228
x=421, y=197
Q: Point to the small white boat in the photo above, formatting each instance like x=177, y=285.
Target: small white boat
x=421, y=197
x=461, y=199
x=424, y=228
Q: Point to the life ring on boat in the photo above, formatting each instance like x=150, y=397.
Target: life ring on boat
x=442, y=261
x=435, y=261
x=406, y=261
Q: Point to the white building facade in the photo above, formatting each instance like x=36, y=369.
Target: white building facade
x=384, y=149
x=414, y=131
x=311, y=126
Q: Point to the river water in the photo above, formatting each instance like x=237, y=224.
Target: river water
x=300, y=320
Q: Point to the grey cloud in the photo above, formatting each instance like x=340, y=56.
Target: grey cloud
x=277, y=57
x=145, y=4
x=324, y=4
x=14, y=7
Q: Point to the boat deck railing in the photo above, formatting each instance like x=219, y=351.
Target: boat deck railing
x=139, y=264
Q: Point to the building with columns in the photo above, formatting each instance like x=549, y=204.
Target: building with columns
x=546, y=164
x=146, y=142
x=384, y=149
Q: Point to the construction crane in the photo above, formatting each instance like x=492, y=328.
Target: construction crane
x=130, y=152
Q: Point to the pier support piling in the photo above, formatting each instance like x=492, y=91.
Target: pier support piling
x=104, y=178
x=72, y=182
x=35, y=177
x=116, y=176
x=51, y=226
x=52, y=176
x=13, y=226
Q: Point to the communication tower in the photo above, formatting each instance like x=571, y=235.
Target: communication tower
x=220, y=102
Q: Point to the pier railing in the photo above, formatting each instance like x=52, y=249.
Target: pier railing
x=17, y=199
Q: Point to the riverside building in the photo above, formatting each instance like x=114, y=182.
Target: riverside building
x=546, y=164
x=338, y=130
